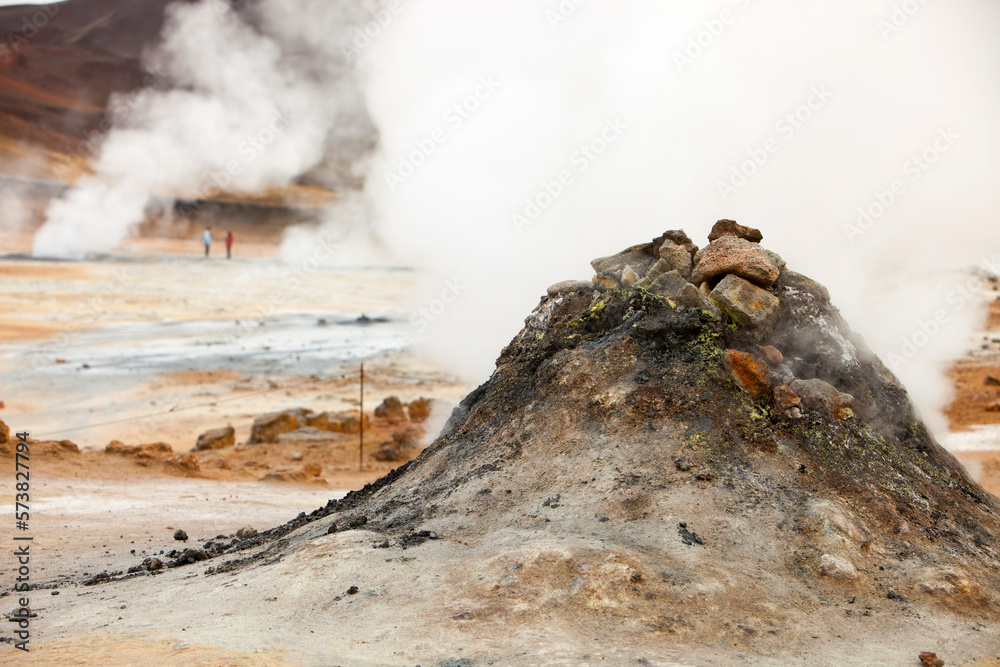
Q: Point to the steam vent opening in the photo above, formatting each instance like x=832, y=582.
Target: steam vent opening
x=689, y=458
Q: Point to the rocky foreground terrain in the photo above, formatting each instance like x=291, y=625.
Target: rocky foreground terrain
x=294, y=446
x=688, y=460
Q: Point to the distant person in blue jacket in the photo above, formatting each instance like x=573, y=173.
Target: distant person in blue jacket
x=207, y=239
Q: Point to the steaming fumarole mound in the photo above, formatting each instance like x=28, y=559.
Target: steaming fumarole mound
x=691, y=449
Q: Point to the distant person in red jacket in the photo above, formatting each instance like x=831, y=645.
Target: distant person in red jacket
x=229, y=245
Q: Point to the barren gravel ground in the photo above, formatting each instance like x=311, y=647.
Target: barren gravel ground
x=175, y=345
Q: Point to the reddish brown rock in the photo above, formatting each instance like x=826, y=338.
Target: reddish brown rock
x=391, y=409
x=186, y=462
x=678, y=237
x=732, y=228
x=219, y=438
x=152, y=564
x=5, y=448
x=676, y=258
x=824, y=398
x=54, y=448
x=749, y=372
x=785, y=398
x=736, y=256
x=339, y=422
x=320, y=421
x=419, y=410
x=630, y=277
x=142, y=453
x=313, y=469
x=118, y=447
x=269, y=427
x=773, y=355
x=928, y=659
x=605, y=281
x=355, y=422
x=747, y=304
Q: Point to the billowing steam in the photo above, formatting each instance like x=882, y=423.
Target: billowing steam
x=248, y=100
x=859, y=136
x=519, y=139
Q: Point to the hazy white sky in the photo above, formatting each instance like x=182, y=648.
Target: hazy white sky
x=6, y=3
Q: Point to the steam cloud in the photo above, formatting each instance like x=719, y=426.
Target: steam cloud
x=520, y=139
x=797, y=118
x=252, y=103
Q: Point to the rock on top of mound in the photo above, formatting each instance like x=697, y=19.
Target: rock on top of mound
x=686, y=357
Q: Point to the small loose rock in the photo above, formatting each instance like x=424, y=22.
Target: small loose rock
x=785, y=399
x=928, y=659
x=568, y=286
x=747, y=304
x=630, y=277
x=824, y=398
x=749, y=372
x=688, y=537
x=836, y=568
x=773, y=356
x=733, y=228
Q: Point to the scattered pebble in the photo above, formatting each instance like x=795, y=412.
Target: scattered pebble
x=688, y=537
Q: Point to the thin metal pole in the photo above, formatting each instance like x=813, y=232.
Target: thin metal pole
x=361, y=433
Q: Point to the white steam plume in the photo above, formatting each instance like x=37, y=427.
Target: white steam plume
x=601, y=125
x=251, y=104
x=684, y=94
